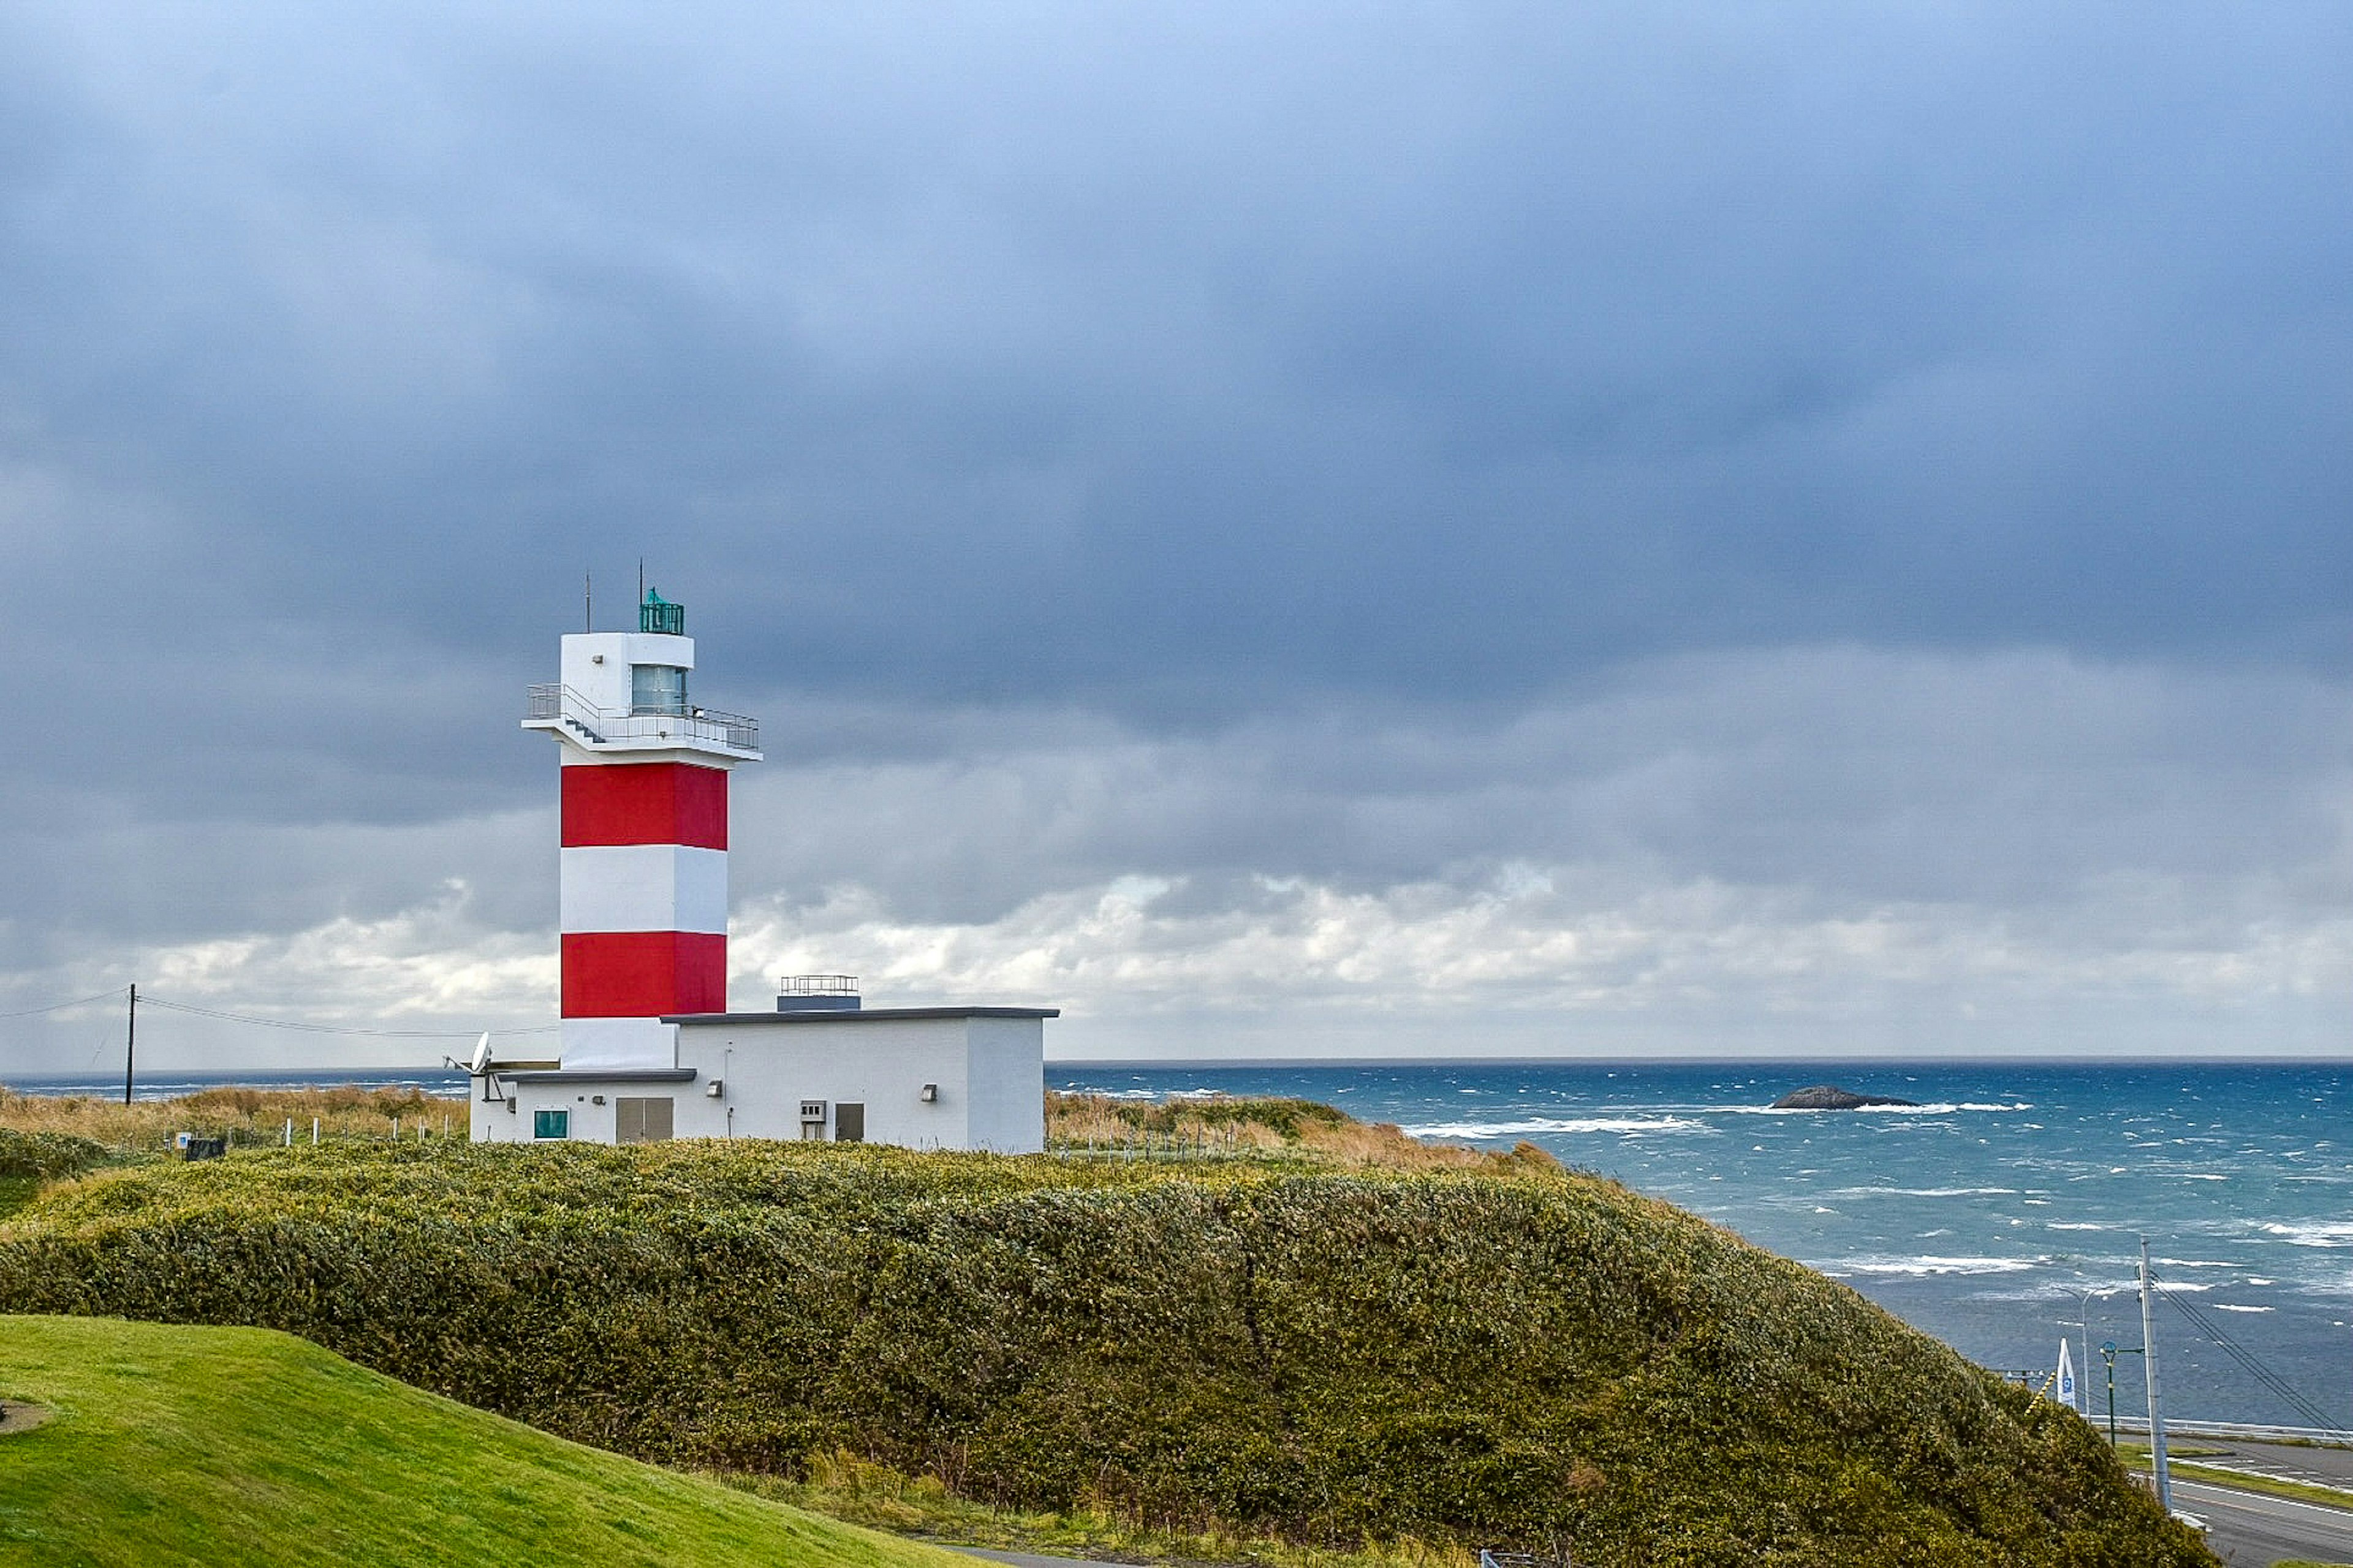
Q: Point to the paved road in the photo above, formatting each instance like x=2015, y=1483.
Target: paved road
x=2248, y=1530
x=2323, y=1466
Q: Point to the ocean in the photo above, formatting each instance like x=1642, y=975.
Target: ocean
x=2004, y=1211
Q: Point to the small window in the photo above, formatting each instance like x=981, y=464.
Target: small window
x=551, y=1124
x=849, y=1122
x=657, y=688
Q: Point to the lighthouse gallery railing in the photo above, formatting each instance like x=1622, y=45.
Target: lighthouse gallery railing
x=559, y=703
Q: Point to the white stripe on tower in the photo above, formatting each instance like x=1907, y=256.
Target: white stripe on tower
x=644, y=887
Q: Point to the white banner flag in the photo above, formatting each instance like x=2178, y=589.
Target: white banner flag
x=2066, y=1377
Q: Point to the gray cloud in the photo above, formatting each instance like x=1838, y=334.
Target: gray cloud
x=1846, y=456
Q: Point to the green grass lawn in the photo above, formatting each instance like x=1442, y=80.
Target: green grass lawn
x=197, y=1445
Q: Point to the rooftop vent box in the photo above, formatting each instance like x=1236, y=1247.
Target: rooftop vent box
x=818, y=993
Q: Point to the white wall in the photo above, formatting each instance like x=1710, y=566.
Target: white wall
x=607, y=685
x=1009, y=1084
x=769, y=1068
x=618, y=1043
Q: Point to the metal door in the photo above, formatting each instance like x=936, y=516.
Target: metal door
x=647, y=1120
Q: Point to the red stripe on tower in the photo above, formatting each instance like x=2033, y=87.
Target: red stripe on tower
x=643, y=974
x=645, y=802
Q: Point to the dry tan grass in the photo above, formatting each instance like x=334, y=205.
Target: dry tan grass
x=245, y=1116
x=1225, y=1126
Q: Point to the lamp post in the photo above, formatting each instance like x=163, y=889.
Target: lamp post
x=2108, y=1352
x=2084, y=1323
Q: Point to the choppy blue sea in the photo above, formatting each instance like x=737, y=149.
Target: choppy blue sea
x=1984, y=1216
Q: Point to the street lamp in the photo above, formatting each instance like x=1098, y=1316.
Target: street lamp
x=2083, y=1322
x=2109, y=1352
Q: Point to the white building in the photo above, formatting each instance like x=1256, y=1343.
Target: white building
x=648, y=1049
x=922, y=1077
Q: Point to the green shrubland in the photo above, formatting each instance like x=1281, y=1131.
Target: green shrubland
x=1511, y=1356
x=41, y=1155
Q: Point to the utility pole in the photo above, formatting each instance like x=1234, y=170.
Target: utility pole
x=2149, y=1363
x=130, y=1041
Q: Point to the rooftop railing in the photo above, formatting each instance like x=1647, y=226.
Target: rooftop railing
x=818, y=985
x=554, y=702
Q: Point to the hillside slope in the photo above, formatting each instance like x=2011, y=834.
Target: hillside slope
x=1516, y=1359
x=186, y=1445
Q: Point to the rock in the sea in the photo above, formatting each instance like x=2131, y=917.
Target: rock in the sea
x=1829, y=1097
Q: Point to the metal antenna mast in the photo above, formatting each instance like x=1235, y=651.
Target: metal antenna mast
x=2148, y=1363
x=587, y=602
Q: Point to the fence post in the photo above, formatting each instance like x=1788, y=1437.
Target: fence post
x=290, y=1133
x=315, y=1132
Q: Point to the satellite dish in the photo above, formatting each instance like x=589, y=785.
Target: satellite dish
x=481, y=1062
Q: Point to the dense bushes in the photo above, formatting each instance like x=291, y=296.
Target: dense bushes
x=1504, y=1360
x=49, y=1154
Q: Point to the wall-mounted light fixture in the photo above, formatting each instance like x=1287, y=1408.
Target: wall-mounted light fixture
x=714, y=1087
x=931, y=1092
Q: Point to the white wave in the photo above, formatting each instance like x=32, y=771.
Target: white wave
x=1919, y=1192
x=2072, y=1224
x=1927, y=1266
x=2227, y=1307
x=1941, y=1107
x=1629, y=1125
x=2311, y=1233
x=2201, y=1176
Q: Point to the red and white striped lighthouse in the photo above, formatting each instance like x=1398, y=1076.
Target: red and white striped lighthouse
x=643, y=885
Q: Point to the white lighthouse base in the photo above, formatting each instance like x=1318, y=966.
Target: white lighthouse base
x=624, y=1043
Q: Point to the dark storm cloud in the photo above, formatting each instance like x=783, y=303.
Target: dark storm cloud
x=1052, y=351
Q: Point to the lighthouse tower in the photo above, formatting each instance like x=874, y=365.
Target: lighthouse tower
x=643, y=885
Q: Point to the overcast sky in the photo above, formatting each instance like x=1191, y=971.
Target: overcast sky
x=1279, y=529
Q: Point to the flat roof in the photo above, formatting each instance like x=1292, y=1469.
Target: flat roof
x=605, y=1074
x=859, y=1014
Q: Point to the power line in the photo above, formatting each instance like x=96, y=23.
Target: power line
x=153, y=1001
x=2205, y=1324
x=62, y=1006
x=189, y=1007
